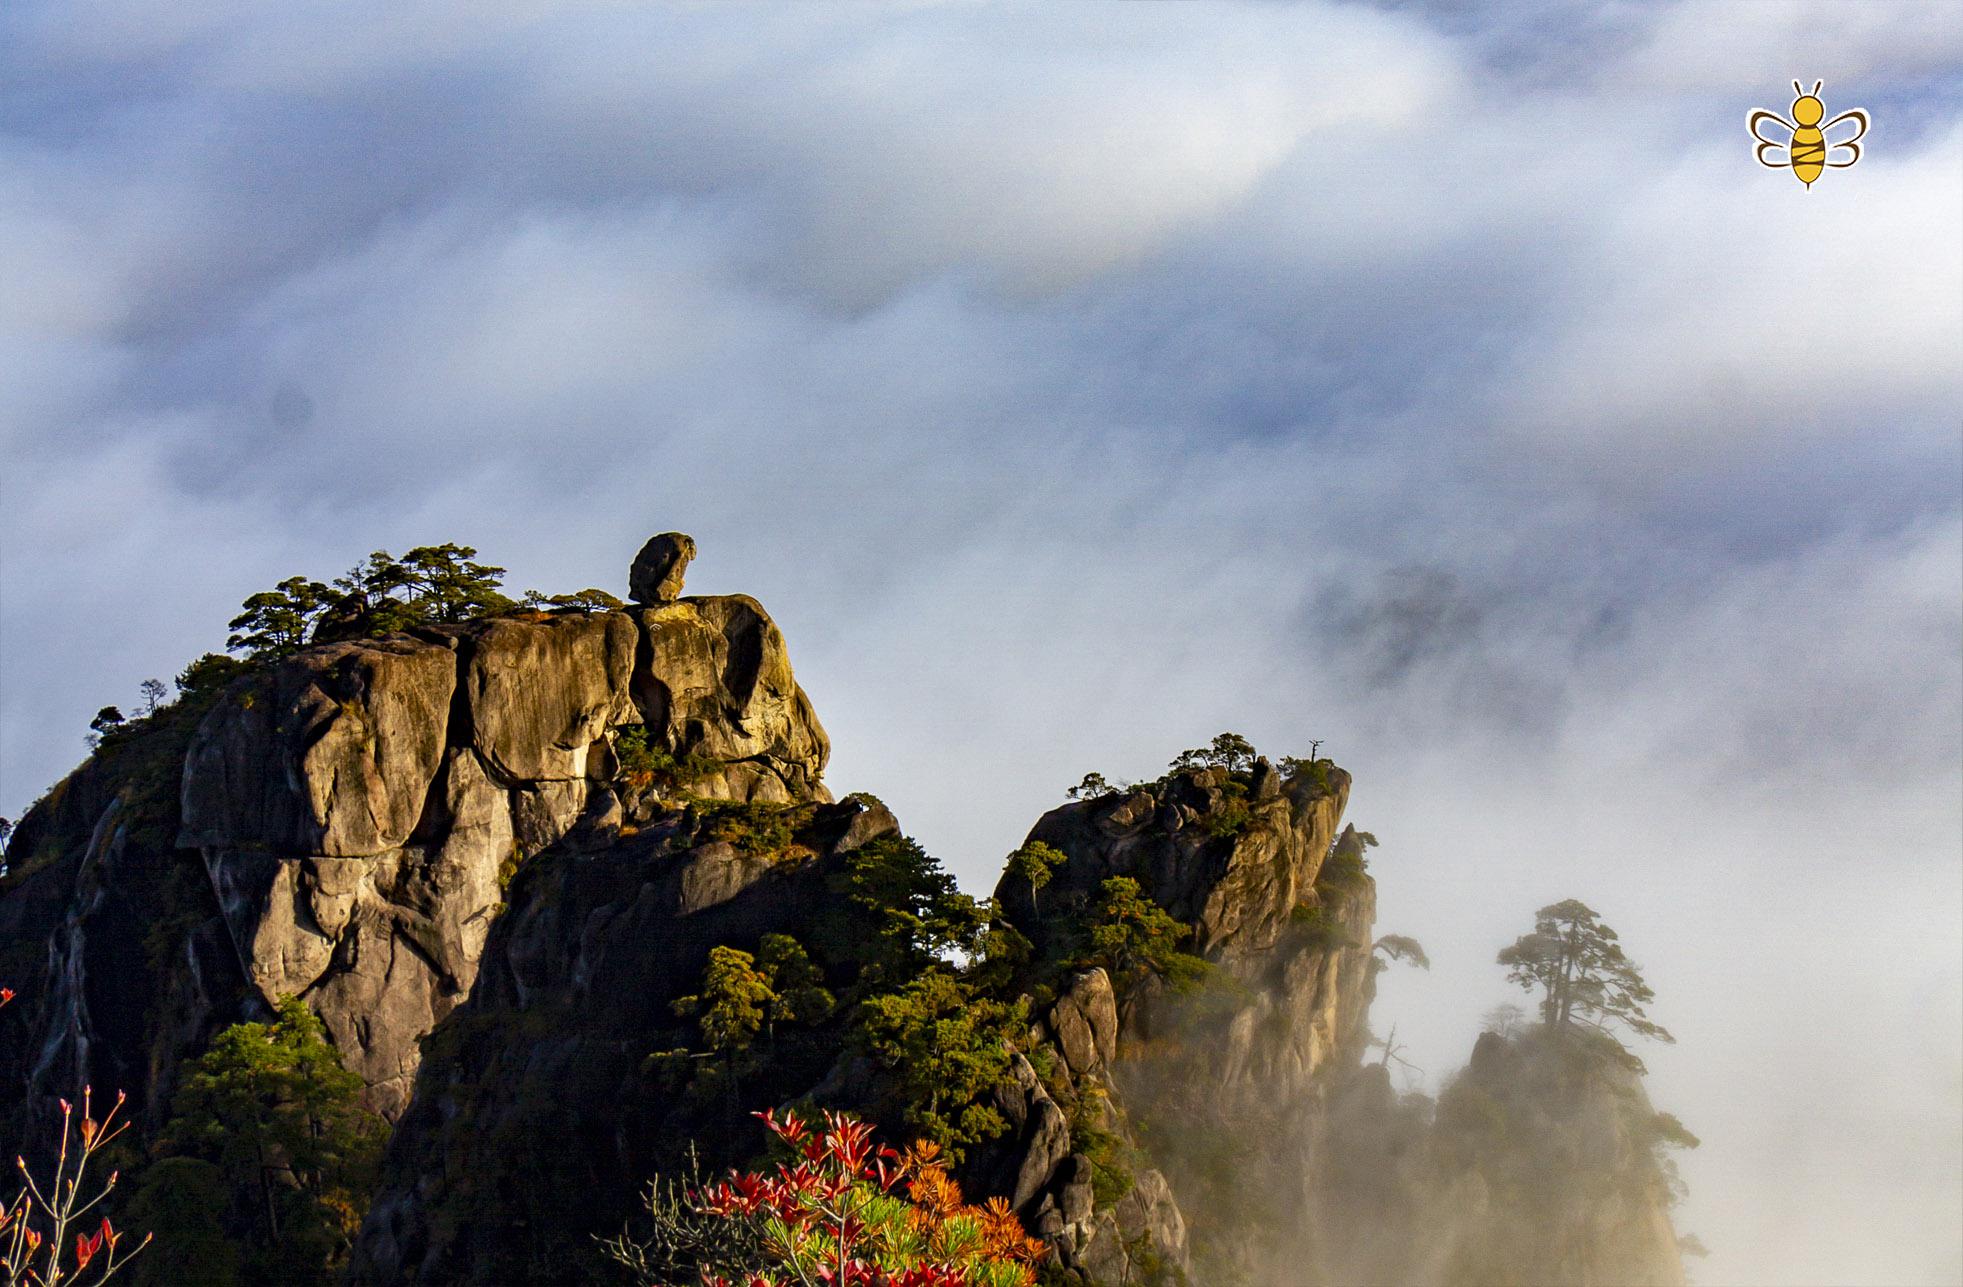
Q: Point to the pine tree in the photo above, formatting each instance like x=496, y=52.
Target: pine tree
x=279, y=621
x=1133, y=937
x=1585, y=978
x=730, y=1008
x=270, y=1118
x=1036, y=862
x=944, y=1046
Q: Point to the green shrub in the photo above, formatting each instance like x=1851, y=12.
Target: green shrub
x=644, y=765
x=761, y=830
x=1110, y=1157
x=1133, y=937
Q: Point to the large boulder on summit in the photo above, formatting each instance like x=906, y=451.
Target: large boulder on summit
x=656, y=576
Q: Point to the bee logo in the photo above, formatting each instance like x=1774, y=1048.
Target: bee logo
x=1807, y=150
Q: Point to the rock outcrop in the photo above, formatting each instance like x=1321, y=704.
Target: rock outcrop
x=545, y=1071
x=495, y=857
x=1238, y=1069
x=361, y=806
x=355, y=811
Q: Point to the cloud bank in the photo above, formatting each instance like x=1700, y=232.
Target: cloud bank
x=1073, y=383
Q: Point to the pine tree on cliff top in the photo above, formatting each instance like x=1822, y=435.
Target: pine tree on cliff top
x=1585, y=978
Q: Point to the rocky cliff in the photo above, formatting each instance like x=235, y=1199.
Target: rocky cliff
x=361, y=807
x=541, y=1102
x=341, y=826
x=1222, y=1086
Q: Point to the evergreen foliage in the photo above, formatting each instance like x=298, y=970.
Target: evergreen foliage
x=1585, y=978
x=1093, y=787
x=798, y=992
x=1036, y=862
x=897, y=914
x=587, y=600
x=1402, y=947
x=1134, y=938
x=279, y=621
x=730, y=1008
x=429, y=585
x=644, y=766
x=1229, y=751
x=945, y=1046
x=269, y=1119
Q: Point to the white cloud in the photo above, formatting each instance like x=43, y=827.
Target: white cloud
x=1728, y=310
x=1709, y=45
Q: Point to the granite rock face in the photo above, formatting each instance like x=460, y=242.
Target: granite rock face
x=332, y=753
x=716, y=681
x=343, y=824
x=361, y=807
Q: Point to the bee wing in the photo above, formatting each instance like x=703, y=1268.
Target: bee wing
x=1752, y=125
x=1860, y=118
x=1770, y=146
x=1855, y=115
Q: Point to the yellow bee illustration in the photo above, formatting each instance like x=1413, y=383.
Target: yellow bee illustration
x=1808, y=151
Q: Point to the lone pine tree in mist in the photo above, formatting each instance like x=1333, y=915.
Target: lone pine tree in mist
x=1585, y=978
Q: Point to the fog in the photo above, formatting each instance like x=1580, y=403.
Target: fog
x=1075, y=383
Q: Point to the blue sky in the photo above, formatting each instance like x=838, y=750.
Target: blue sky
x=1074, y=382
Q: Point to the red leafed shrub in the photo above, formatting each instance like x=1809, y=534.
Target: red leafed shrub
x=35, y=1227
x=842, y=1212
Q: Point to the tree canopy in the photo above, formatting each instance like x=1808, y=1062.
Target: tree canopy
x=1584, y=977
x=1133, y=937
x=945, y=1046
x=900, y=913
x=269, y=1118
x=1036, y=862
x=279, y=621
x=430, y=585
x=1228, y=751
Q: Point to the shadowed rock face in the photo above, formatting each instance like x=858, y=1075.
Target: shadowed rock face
x=530, y=1124
x=331, y=753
